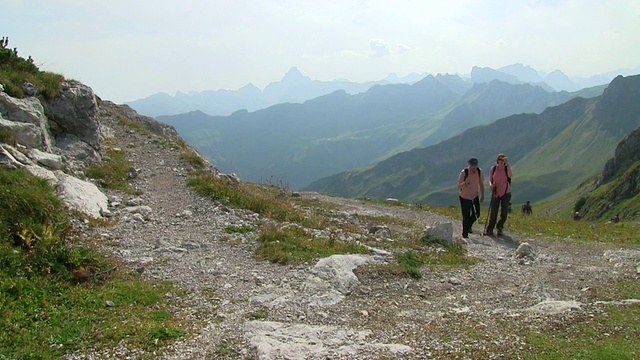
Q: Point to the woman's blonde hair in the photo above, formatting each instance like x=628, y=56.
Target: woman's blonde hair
x=500, y=157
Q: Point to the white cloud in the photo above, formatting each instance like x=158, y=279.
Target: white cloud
x=404, y=49
x=379, y=48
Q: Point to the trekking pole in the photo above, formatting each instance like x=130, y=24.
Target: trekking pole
x=486, y=222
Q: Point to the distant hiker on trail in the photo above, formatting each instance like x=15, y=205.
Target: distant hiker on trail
x=615, y=219
x=500, y=183
x=470, y=184
x=526, y=209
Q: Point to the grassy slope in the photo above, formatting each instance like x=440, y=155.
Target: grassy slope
x=53, y=287
x=551, y=153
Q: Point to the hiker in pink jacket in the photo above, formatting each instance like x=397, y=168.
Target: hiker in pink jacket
x=470, y=184
x=500, y=183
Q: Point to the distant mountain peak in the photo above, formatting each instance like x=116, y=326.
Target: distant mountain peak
x=294, y=75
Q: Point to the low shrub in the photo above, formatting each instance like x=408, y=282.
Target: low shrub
x=410, y=262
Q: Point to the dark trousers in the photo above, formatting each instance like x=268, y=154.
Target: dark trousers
x=503, y=204
x=470, y=212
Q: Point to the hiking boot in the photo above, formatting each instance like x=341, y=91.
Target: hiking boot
x=488, y=233
x=500, y=232
x=465, y=236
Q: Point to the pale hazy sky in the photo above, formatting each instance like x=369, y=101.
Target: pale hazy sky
x=129, y=49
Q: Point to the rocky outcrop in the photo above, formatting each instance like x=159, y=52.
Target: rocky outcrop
x=67, y=125
x=21, y=112
x=75, y=112
x=626, y=154
x=618, y=188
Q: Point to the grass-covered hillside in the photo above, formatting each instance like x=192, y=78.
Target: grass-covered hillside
x=16, y=71
x=551, y=153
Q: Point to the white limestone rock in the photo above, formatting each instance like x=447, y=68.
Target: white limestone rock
x=28, y=110
x=275, y=340
x=441, y=233
x=555, y=307
x=51, y=161
x=81, y=195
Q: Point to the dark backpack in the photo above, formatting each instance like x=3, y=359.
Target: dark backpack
x=466, y=173
x=506, y=172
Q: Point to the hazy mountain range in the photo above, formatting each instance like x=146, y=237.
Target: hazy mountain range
x=551, y=152
x=301, y=143
x=296, y=88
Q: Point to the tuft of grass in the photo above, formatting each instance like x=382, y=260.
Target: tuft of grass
x=259, y=314
x=113, y=170
x=53, y=292
x=7, y=137
x=293, y=246
x=135, y=126
x=226, y=351
x=247, y=196
x=238, y=229
x=193, y=159
x=410, y=262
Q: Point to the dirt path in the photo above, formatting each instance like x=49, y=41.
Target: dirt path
x=253, y=309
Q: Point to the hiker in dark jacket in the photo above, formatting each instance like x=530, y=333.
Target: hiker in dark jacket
x=500, y=183
x=470, y=185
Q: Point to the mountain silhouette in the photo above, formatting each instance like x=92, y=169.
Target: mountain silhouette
x=549, y=152
x=301, y=143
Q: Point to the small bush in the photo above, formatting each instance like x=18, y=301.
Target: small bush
x=410, y=262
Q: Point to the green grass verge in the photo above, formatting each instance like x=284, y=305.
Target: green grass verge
x=612, y=333
x=113, y=170
x=193, y=159
x=560, y=227
x=294, y=246
x=410, y=262
x=246, y=196
x=239, y=229
x=53, y=292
